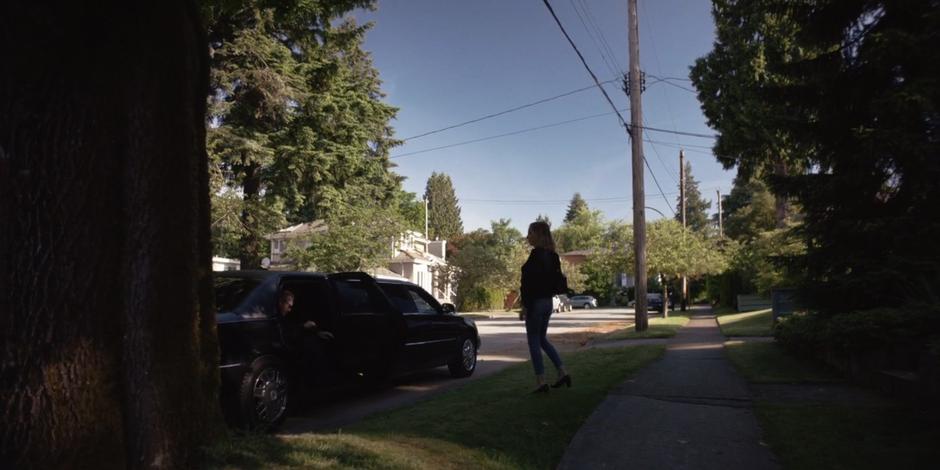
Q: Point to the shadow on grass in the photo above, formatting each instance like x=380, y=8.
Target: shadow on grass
x=769, y=363
x=493, y=422
x=832, y=436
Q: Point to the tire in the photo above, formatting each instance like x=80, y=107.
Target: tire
x=263, y=395
x=466, y=361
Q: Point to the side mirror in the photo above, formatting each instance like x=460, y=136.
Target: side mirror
x=448, y=308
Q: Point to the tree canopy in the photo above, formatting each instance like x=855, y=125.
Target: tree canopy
x=575, y=207
x=696, y=208
x=296, y=119
x=488, y=265
x=443, y=209
x=843, y=92
x=583, y=232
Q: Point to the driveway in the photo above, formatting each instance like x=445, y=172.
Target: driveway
x=503, y=344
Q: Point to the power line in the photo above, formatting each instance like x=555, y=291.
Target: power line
x=586, y=66
x=690, y=134
x=500, y=113
x=593, y=21
x=678, y=79
x=507, y=134
x=554, y=201
x=599, y=87
x=598, y=43
x=569, y=121
x=647, y=162
x=667, y=82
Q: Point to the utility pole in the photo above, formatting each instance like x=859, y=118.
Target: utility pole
x=721, y=233
x=639, y=199
x=426, y=234
x=684, y=291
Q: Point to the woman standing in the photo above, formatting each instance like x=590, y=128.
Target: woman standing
x=539, y=275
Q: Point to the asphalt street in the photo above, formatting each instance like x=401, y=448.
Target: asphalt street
x=503, y=344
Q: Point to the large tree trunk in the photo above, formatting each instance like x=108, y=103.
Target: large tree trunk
x=109, y=357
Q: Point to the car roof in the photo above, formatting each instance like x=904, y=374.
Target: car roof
x=261, y=274
x=402, y=282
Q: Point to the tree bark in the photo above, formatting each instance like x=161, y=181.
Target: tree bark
x=109, y=356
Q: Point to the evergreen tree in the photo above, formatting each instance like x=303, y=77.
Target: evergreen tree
x=296, y=119
x=443, y=211
x=748, y=210
x=544, y=218
x=696, y=208
x=847, y=90
x=575, y=207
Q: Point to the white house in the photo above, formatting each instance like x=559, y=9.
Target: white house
x=293, y=236
x=421, y=261
x=225, y=264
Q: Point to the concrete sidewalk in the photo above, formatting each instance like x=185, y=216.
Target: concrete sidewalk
x=690, y=409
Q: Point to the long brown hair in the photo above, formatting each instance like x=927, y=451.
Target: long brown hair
x=541, y=235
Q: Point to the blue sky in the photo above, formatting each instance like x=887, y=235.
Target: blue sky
x=447, y=61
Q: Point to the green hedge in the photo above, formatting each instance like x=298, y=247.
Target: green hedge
x=480, y=298
x=882, y=337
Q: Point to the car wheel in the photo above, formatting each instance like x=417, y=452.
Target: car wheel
x=466, y=361
x=263, y=395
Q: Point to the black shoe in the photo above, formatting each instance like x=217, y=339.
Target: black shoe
x=542, y=389
x=566, y=381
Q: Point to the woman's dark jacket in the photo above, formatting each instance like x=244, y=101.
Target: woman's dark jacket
x=538, y=275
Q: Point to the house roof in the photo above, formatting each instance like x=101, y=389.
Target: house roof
x=412, y=256
x=298, y=230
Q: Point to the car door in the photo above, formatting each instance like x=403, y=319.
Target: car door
x=369, y=332
x=419, y=340
x=313, y=301
x=443, y=330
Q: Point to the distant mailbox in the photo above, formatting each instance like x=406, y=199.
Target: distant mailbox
x=783, y=302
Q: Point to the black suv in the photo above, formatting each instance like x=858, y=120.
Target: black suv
x=341, y=329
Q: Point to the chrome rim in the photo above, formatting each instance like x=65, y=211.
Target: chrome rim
x=270, y=392
x=469, y=355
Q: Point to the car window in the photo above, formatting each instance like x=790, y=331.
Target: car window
x=312, y=300
x=400, y=297
x=358, y=297
x=423, y=301
x=245, y=297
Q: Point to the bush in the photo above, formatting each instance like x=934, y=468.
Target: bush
x=480, y=298
x=861, y=332
x=803, y=334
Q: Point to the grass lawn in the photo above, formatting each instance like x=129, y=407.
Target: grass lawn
x=813, y=435
x=843, y=437
x=658, y=328
x=489, y=423
x=756, y=323
x=769, y=363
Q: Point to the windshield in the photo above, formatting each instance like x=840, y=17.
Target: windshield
x=243, y=296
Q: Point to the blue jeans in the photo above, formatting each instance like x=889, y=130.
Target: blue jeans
x=536, y=327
